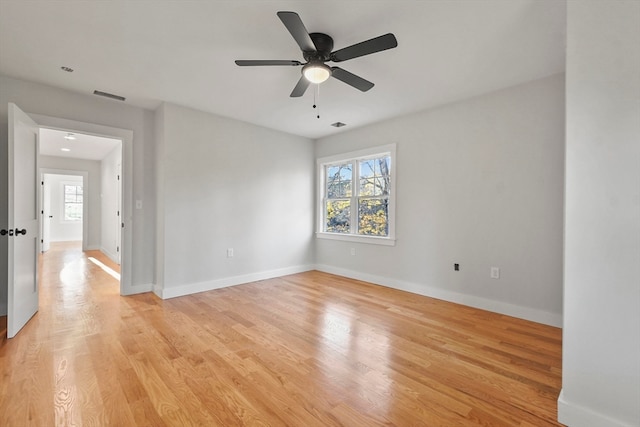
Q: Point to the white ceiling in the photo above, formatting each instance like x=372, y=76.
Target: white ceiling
x=183, y=52
x=88, y=147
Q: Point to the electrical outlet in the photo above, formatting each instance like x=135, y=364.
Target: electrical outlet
x=456, y=267
x=230, y=253
x=495, y=272
x=353, y=251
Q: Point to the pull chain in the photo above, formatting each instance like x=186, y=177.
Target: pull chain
x=317, y=104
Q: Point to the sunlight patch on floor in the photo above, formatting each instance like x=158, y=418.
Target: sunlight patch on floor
x=109, y=270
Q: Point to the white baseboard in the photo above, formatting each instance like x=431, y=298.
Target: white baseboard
x=571, y=414
x=192, y=288
x=527, y=313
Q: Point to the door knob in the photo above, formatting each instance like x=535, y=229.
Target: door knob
x=23, y=231
x=4, y=232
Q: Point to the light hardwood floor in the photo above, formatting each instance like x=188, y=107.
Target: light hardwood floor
x=309, y=349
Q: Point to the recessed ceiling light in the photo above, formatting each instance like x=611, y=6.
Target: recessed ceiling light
x=65, y=149
x=67, y=69
x=69, y=137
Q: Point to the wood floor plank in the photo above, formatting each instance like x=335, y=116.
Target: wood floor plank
x=310, y=349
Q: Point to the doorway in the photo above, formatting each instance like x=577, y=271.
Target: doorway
x=24, y=144
x=114, y=237
x=62, y=207
x=81, y=190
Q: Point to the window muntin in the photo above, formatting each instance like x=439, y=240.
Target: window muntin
x=73, y=199
x=357, y=198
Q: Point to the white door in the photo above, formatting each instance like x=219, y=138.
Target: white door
x=46, y=212
x=23, y=220
x=119, y=208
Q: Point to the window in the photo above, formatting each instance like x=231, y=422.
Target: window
x=72, y=202
x=357, y=197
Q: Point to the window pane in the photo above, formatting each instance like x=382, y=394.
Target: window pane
x=374, y=177
x=338, y=216
x=73, y=212
x=367, y=168
x=339, y=179
x=373, y=217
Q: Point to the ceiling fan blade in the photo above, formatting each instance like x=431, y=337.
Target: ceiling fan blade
x=294, y=24
x=351, y=79
x=387, y=41
x=300, y=88
x=258, y=62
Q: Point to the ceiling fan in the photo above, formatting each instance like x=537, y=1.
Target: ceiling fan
x=317, y=50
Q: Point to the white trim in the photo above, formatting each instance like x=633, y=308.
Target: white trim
x=356, y=238
x=571, y=414
x=526, y=313
x=139, y=289
x=225, y=282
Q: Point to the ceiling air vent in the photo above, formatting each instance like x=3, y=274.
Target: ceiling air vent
x=109, y=95
x=338, y=124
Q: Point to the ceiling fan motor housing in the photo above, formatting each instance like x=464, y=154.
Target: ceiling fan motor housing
x=324, y=47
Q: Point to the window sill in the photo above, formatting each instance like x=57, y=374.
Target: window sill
x=384, y=241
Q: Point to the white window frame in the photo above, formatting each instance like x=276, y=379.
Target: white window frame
x=354, y=156
x=63, y=214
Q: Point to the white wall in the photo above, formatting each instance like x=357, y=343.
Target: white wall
x=61, y=230
x=110, y=225
x=601, y=344
x=49, y=101
x=479, y=183
x=229, y=184
x=92, y=188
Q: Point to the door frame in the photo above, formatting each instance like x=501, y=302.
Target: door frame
x=126, y=196
x=85, y=206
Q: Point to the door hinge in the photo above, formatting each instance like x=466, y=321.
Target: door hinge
x=118, y=213
x=117, y=248
x=123, y=225
x=41, y=241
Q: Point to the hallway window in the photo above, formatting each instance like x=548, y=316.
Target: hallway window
x=73, y=202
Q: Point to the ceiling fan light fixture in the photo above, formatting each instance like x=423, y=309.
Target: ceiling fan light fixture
x=316, y=72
